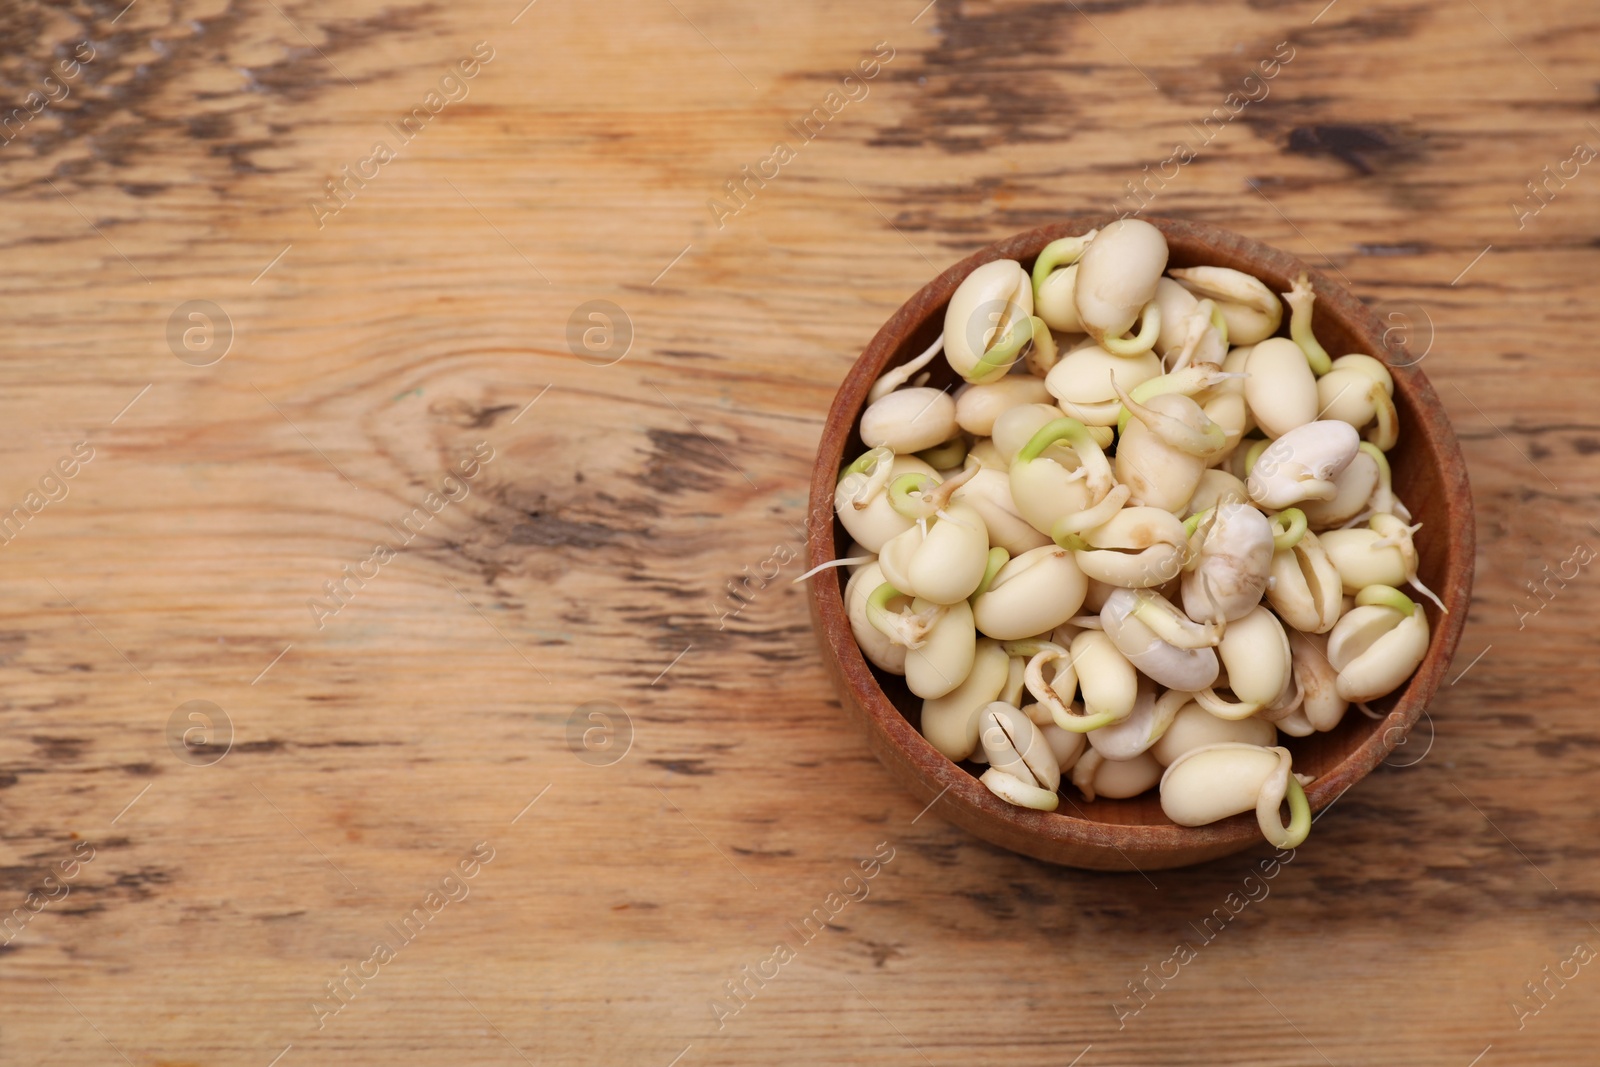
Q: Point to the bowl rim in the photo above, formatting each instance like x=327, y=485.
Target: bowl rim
x=976, y=808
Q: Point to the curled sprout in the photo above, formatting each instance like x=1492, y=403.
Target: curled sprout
x=893, y=379
x=905, y=628
x=871, y=470
x=902, y=500
x=1301, y=299
x=1054, y=285
x=1077, y=436
x=1062, y=252
x=1300, y=815
x=927, y=502
x=1385, y=431
x=1056, y=694
x=1215, y=781
x=1004, y=349
x=1223, y=708
x=1144, y=340
x=1299, y=826
x=1288, y=527
x=860, y=503
x=1386, y=596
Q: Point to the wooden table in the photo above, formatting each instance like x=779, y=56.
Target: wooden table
x=580, y=498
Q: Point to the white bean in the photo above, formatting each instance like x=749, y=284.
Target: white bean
x=977, y=406
x=1117, y=276
x=986, y=316
x=1280, y=389
x=1033, y=593
x=1195, y=727
x=909, y=420
x=950, y=722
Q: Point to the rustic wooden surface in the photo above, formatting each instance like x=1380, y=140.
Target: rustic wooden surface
x=590, y=559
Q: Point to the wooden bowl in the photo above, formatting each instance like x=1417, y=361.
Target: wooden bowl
x=1429, y=475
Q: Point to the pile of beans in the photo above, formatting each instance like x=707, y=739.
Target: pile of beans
x=1146, y=536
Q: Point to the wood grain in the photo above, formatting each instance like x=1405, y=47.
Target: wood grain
x=590, y=560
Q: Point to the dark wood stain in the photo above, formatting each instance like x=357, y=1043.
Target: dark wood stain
x=881, y=952
x=991, y=81
x=682, y=766
x=60, y=749
x=111, y=101
x=684, y=461
x=1364, y=148
x=552, y=531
